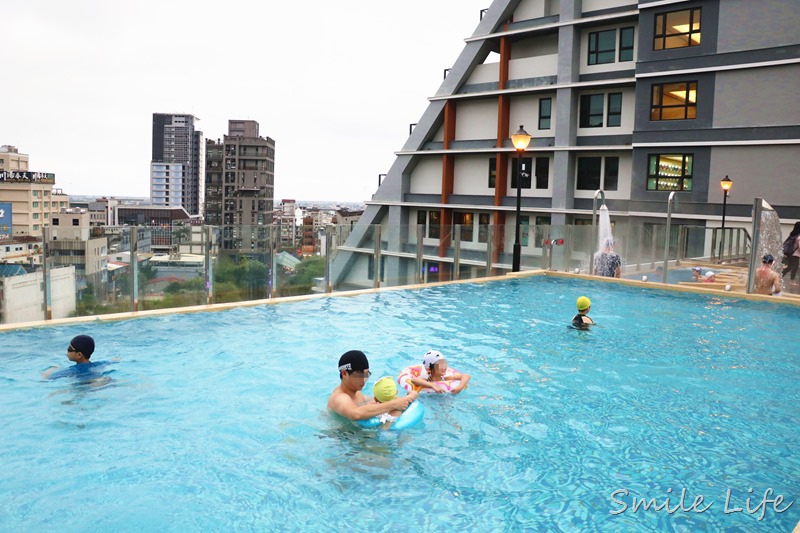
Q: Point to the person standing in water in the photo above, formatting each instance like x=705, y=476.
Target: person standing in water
x=608, y=263
x=767, y=280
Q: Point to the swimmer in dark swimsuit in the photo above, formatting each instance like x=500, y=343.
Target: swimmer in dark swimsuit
x=582, y=320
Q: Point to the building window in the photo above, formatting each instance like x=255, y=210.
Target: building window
x=669, y=172
x=677, y=29
x=492, y=172
x=541, y=232
x=35, y=216
x=56, y=222
x=430, y=220
x=545, y=113
x=46, y=204
x=626, y=42
x=465, y=221
x=542, y=172
x=526, y=163
x=602, y=47
x=35, y=204
x=597, y=173
x=484, y=220
x=674, y=101
x=75, y=222
x=591, y=111
x=35, y=194
x=614, y=117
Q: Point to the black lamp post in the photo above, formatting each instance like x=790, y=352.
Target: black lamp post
x=726, y=185
x=520, y=140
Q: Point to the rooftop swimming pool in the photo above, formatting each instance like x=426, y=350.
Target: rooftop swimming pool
x=217, y=421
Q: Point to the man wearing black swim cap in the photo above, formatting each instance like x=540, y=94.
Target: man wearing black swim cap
x=348, y=400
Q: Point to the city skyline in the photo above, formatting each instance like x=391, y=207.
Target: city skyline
x=338, y=108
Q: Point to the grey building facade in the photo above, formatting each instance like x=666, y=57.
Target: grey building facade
x=638, y=99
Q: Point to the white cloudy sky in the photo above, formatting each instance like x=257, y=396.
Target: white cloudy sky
x=336, y=84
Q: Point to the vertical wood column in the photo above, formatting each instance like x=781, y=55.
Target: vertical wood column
x=501, y=167
x=448, y=180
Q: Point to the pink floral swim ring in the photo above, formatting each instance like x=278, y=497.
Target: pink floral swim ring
x=418, y=371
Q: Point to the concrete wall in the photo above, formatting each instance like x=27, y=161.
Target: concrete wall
x=757, y=97
x=427, y=176
x=23, y=296
x=746, y=25
x=476, y=120
x=769, y=172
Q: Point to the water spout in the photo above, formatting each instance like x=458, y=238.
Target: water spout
x=598, y=192
x=767, y=239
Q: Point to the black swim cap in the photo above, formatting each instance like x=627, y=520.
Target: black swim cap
x=353, y=361
x=83, y=344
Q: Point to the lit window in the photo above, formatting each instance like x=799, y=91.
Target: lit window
x=602, y=47
x=669, y=172
x=674, y=101
x=483, y=227
x=465, y=221
x=677, y=29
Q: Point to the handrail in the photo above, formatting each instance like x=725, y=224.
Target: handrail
x=594, y=227
x=673, y=200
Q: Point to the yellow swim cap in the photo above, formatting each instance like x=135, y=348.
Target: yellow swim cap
x=583, y=303
x=384, y=389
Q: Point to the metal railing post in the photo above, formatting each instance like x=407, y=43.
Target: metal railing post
x=672, y=199
x=489, y=248
x=47, y=293
x=328, y=245
x=593, y=244
x=376, y=267
x=420, y=251
x=457, y=252
x=135, y=269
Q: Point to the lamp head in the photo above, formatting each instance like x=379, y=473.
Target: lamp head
x=726, y=184
x=521, y=139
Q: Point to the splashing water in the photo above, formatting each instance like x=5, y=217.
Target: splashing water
x=606, y=260
x=604, y=229
x=770, y=237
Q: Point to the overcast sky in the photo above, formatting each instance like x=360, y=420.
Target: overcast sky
x=336, y=84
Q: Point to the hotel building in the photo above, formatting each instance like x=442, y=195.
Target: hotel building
x=638, y=99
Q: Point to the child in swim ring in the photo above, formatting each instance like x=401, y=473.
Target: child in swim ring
x=435, y=365
x=385, y=390
x=582, y=320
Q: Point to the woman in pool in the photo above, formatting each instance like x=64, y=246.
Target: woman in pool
x=438, y=376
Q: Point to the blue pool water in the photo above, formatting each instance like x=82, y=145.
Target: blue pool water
x=217, y=421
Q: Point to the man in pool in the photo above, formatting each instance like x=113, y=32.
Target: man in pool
x=79, y=351
x=348, y=400
x=767, y=280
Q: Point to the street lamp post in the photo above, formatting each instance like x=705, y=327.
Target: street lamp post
x=520, y=140
x=726, y=185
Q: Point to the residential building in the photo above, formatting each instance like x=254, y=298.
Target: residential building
x=240, y=181
x=102, y=211
x=636, y=99
x=176, y=167
x=21, y=250
x=71, y=242
x=284, y=220
x=32, y=195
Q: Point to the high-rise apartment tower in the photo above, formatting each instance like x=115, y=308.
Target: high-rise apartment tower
x=176, y=168
x=240, y=181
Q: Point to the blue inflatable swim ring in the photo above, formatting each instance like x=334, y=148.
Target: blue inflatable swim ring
x=410, y=418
